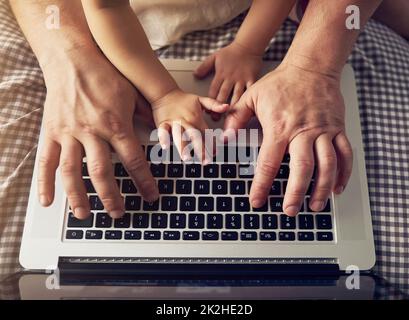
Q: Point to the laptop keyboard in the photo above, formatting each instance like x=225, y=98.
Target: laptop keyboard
x=203, y=204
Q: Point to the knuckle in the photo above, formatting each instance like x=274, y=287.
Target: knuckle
x=75, y=199
x=267, y=168
x=68, y=167
x=135, y=166
x=98, y=171
x=302, y=164
x=328, y=160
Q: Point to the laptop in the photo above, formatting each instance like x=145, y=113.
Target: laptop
x=202, y=223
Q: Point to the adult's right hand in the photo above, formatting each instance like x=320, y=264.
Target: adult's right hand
x=88, y=109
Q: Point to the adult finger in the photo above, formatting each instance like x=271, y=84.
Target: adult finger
x=326, y=164
x=268, y=163
x=100, y=168
x=71, y=175
x=345, y=160
x=301, y=171
x=205, y=67
x=225, y=91
x=215, y=86
x=48, y=163
x=237, y=93
x=131, y=154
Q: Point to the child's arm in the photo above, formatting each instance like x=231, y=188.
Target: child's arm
x=119, y=34
x=238, y=65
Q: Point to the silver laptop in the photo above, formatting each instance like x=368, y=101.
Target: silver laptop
x=202, y=222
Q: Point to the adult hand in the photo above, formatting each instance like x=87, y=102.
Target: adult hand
x=88, y=109
x=303, y=111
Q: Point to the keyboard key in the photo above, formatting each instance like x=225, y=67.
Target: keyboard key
x=287, y=222
x=74, y=234
x=323, y=221
x=210, y=235
x=284, y=186
x=140, y=220
x=187, y=204
x=324, y=236
x=151, y=235
x=206, y=204
x=93, y=234
x=251, y=221
x=193, y=170
x=241, y=204
x=233, y=221
x=219, y=187
x=128, y=186
x=202, y=187
x=286, y=158
x=283, y=172
x=269, y=221
x=305, y=221
x=171, y=235
x=263, y=208
x=132, y=203
x=89, y=186
x=246, y=171
x=158, y=170
x=211, y=171
x=151, y=206
x=183, y=186
x=133, y=235
x=178, y=220
x=191, y=235
x=229, y=171
x=113, y=235
x=214, y=221
x=120, y=170
x=175, y=170
x=196, y=221
x=248, y=236
x=229, y=235
x=95, y=203
x=103, y=220
x=305, y=236
x=85, y=170
x=123, y=222
x=169, y=204
x=268, y=236
x=275, y=189
x=165, y=186
x=159, y=220
x=237, y=187
x=286, y=236
x=73, y=222
x=327, y=207
x=223, y=204
x=276, y=204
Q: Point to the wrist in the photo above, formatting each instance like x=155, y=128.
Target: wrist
x=313, y=64
x=169, y=96
x=247, y=49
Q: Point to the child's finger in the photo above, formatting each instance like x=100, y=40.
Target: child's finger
x=197, y=140
x=205, y=68
x=213, y=105
x=225, y=91
x=237, y=93
x=179, y=141
x=164, y=130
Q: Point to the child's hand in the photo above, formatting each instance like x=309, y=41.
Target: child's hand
x=178, y=112
x=236, y=69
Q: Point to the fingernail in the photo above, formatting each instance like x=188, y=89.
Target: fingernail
x=81, y=212
x=317, y=205
x=44, y=200
x=291, y=210
x=117, y=214
x=339, y=189
x=257, y=203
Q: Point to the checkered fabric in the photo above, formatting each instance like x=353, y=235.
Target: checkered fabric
x=381, y=63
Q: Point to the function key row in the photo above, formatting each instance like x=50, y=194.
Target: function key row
x=196, y=235
x=201, y=221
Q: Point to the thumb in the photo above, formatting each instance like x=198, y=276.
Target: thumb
x=205, y=67
x=238, y=116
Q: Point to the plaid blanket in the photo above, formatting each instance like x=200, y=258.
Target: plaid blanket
x=381, y=63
